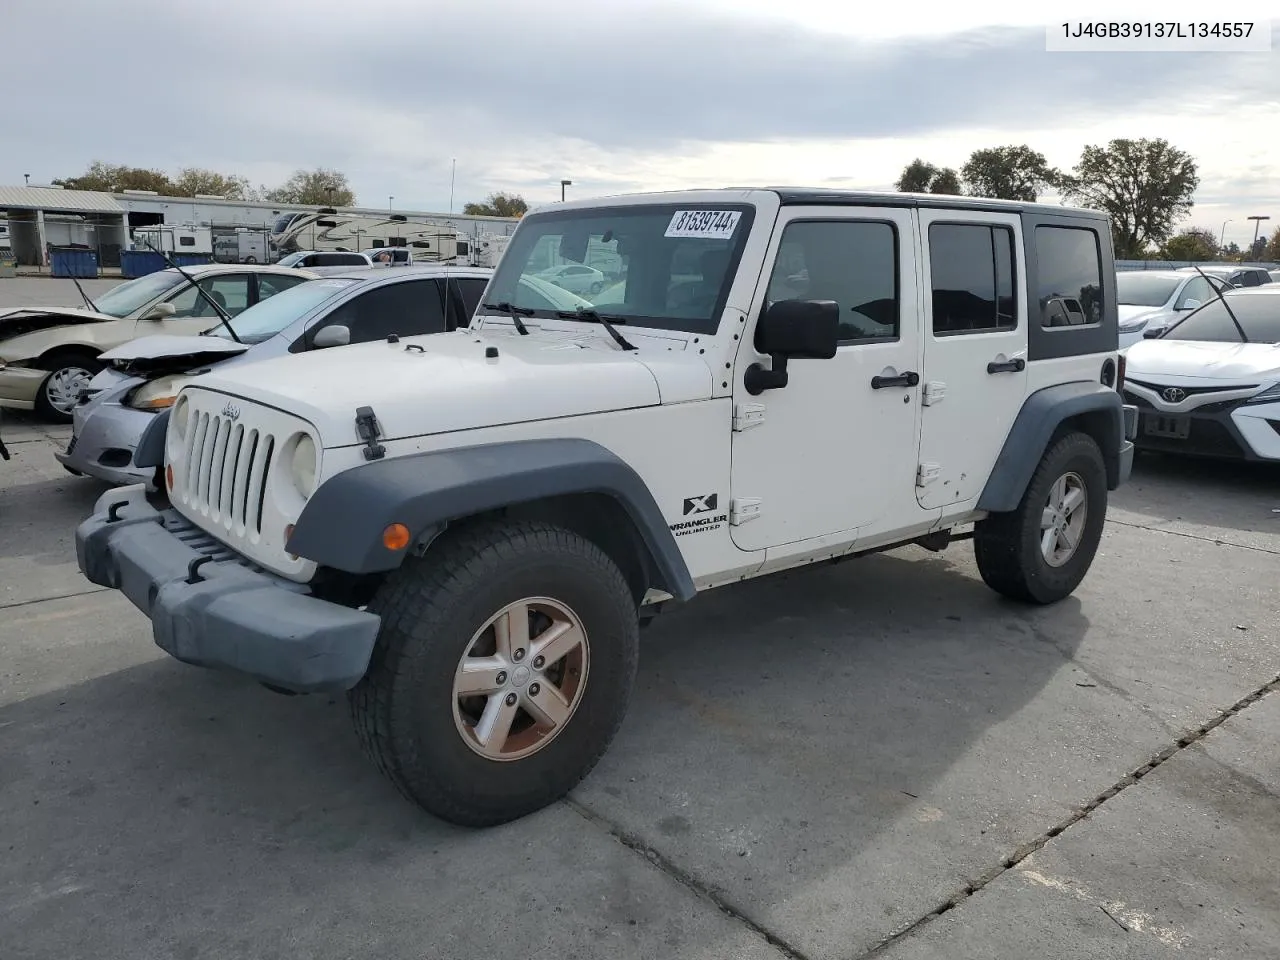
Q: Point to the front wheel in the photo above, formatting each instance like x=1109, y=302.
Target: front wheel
x=502, y=671
x=59, y=393
x=1041, y=551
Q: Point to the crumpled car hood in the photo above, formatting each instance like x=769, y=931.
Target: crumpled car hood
x=164, y=353
x=16, y=321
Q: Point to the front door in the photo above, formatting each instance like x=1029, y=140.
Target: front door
x=975, y=355
x=835, y=449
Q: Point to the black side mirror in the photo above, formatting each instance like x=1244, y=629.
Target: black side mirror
x=1151, y=333
x=793, y=329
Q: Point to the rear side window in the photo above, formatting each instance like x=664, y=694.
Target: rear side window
x=971, y=266
x=339, y=260
x=1070, y=277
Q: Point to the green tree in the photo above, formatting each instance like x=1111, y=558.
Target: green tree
x=921, y=177
x=1007, y=173
x=498, y=205
x=319, y=187
x=193, y=180
x=1272, y=253
x=1146, y=186
x=114, y=177
x=1195, y=244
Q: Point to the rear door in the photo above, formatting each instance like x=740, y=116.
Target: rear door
x=975, y=354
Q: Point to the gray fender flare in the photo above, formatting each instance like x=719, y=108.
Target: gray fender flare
x=1041, y=414
x=342, y=523
x=150, y=449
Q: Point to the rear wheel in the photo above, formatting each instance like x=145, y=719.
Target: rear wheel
x=502, y=672
x=69, y=373
x=1041, y=551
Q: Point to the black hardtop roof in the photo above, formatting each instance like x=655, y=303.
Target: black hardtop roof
x=816, y=196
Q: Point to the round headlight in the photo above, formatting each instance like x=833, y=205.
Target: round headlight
x=302, y=466
x=181, y=414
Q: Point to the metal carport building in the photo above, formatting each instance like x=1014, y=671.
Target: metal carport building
x=41, y=217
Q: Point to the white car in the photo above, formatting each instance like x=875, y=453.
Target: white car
x=1209, y=387
x=576, y=278
x=1153, y=299
x=467, y=530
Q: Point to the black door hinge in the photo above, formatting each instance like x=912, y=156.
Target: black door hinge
x=368, y=429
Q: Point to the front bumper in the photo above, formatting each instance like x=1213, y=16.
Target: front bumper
x=19, y=386
x=1222, y=430
x=1130, y=414
x=209, y=607
x=104, y=436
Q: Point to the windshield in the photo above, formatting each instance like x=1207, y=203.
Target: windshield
x=283, y=221
x=1259, y=315
x=268, y=317
x=129, y=296
x=1136, y=290
x=666, y=266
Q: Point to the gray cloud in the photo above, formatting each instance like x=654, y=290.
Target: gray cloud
x=273, y=85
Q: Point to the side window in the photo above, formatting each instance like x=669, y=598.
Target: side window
x=1197, y=289
x=229, y=292
x=269, y=284
x=406, y=309
x=853, y=262
x=186, y=241
x=1069, y=264
x=971, y=266
x=472, y=291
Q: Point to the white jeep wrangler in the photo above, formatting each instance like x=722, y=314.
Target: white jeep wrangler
x=465, y=530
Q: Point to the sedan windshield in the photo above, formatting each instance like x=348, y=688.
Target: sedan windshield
x=1259, y=315
x=1135, y=290
x=268, y=317
x=667, y=266
x=129, y=296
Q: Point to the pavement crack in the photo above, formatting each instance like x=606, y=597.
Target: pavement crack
x=1184, y=741
x=61, y=596
x=1195, y=536
x=681, y=876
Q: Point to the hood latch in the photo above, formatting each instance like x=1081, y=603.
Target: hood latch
x=369, y=430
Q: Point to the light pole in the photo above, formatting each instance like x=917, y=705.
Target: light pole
x=27, y=178
x=1222, y=238
x=389, y=207
x=563, y=184
x=453, y=178
x=1257, y=222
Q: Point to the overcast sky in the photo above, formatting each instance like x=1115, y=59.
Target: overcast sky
x=618, y=95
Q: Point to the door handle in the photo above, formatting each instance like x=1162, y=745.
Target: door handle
x=908, y=379
x=1016, y=365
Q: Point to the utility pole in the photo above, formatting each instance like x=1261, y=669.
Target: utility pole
x=1257, y=222
x=453, y=179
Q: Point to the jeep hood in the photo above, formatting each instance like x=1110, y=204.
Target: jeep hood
x=16, y=321
x=164, y=353
x=444, y=382
x=1248, y=362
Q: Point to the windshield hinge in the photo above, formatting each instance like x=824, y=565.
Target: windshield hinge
x=369, y=430
x=747, y=415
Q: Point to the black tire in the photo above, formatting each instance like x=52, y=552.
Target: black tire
x=58, y=367
x=1008, y=545
x=403, y=708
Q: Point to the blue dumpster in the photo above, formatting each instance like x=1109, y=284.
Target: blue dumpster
x=192, y=259
x=138, y=263
x=74, y=263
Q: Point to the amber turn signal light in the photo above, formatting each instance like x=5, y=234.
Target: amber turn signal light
x=395, y=537
x=168, y=475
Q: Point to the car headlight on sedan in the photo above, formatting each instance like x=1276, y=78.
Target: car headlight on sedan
x=1269, y=395
x=156, y=395
x=1133, y=326
x=303, y=464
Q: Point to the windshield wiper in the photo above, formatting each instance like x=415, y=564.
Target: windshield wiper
x=514, y=312
x=1231, y=313
x=594, y=316
x=89, y=303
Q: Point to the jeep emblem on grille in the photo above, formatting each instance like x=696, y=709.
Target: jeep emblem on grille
x=231, y=411
x=1173, y=394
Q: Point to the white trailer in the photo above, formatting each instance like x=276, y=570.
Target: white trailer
x=174, y=238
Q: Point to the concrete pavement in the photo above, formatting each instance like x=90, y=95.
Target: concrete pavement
x=880, y=758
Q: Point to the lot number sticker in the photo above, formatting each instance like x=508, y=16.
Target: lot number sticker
x=708, y=224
